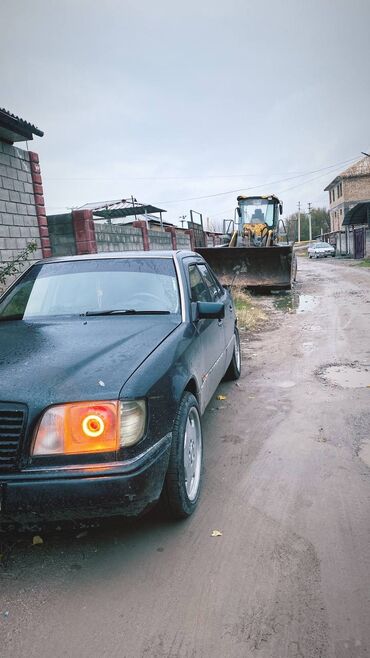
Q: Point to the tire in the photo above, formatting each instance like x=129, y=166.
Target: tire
x=294, y=270
x=234, y=369
x=182, y=484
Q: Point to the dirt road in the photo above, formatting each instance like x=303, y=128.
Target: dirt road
x=287, y=482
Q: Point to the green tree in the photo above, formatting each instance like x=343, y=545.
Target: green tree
x=320, y=223
x=15, y=266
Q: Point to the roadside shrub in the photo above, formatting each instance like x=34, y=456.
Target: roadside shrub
x=248, y=309
x=15, y=266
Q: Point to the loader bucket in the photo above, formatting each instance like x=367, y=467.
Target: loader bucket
x=261, y=268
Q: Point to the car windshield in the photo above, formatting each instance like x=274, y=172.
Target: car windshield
x=111, y=285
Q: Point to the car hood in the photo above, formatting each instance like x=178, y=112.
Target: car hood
x=45, y=363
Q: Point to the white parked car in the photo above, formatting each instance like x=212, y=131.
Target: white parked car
x=320, y=250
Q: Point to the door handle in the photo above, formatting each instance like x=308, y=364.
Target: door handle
x=220, y=323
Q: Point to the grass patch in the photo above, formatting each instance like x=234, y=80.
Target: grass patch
x=248, y=309
x=364, y=263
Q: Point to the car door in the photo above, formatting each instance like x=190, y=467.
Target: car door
x=220, y=294
x=210, y=335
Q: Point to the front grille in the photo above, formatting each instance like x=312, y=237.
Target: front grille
x=11, y=429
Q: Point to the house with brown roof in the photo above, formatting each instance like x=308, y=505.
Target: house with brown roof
x=349, y=188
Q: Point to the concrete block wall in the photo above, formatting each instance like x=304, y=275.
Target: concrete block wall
x=113, y=237
x=19, y=224
x=77, y=233
x=159, y=240
x=183, y=240
x=62, y=237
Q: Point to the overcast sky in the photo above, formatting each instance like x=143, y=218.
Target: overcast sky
x=170, y=100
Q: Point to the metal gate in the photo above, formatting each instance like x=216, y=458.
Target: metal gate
x=197, y=228
x=359, y=242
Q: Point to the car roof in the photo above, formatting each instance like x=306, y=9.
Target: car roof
x=178, y=253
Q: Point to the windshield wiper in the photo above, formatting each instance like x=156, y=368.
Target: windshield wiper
x=9, y=318
x=124, y=311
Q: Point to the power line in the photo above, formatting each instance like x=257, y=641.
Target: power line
x=280, y=191
x=198, y=177
x=325, y=171
x=260, y=185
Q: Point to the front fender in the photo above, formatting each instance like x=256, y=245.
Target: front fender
x=164, y=375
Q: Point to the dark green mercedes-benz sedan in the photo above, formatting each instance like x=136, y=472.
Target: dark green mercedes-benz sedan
x=107, y=363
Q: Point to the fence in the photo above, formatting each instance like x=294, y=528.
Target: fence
x=77, y=233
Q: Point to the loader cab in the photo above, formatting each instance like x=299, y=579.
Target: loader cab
x=258, y=210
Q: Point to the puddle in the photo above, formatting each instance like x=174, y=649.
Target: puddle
x=364, y=454
x=293, y=302
x=348, y=376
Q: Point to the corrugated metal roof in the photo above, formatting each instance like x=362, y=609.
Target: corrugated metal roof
x=359, y=215
x=15, y=129
x=120, y=208
x=152, y=219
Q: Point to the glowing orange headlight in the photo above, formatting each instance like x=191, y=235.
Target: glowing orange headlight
x=93, y=426
x=79, y=427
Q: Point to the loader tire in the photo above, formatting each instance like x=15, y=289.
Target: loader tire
x=294, y=270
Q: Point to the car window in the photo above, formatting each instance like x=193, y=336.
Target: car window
x=198, y=289
x=75, y=287
x=214, y=289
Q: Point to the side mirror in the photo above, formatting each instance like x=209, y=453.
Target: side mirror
x=210, y=311
x=281, y=208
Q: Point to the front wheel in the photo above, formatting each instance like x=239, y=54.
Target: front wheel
x=183, y=479
x=234, y=369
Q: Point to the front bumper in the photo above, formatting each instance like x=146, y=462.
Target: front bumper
x=125, y=488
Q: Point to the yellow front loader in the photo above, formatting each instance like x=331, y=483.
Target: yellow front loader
x=257, y=253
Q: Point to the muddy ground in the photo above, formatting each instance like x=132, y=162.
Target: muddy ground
x=287, y=483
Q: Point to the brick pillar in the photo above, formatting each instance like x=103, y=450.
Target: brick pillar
x=38, y=193
x=190, y=233
x=84, y=230
x=144, y=231
x=172, y=230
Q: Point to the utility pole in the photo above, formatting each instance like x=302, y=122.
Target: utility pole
x=299, y=221
x=182, y=220
x=310, y=221
x=133, y=205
